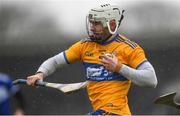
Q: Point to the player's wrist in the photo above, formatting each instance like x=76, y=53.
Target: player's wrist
x=118, y=67
x=40, y=75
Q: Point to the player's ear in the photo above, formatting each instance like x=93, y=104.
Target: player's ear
x=112, y=24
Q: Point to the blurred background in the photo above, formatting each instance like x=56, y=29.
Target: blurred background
x=33, y=30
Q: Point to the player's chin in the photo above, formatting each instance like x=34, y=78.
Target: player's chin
x=97, y=34
x=98, y=37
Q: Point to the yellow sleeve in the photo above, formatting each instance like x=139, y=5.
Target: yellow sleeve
x=135, y=56
x=73, y=53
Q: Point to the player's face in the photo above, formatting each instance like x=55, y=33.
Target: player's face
x=96, y=27
x=99, y=32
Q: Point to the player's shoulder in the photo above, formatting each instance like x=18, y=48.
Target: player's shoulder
x=126, y=41
x=4, y=78
x=83, y=42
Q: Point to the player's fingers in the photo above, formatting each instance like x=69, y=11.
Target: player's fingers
x=36, y=78
x=29, y=80
x=105, y=56
x=104, y=61
x=107, y=66
x=114, y=54
x=108, y=58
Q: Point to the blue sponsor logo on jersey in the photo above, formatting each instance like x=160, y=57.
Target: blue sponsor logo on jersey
x=97, y=72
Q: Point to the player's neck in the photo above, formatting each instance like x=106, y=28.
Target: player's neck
x=111, y=37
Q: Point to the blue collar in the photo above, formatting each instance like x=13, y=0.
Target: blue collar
x=108, y=42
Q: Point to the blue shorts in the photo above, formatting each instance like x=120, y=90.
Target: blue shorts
x=101, y=112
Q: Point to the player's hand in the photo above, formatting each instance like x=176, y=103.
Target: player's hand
x=19, y=112
x=110, y=62
x=32, y=79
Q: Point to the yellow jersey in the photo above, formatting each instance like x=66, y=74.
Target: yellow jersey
x=107, y=90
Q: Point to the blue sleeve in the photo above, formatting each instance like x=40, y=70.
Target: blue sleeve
x=7, y=82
